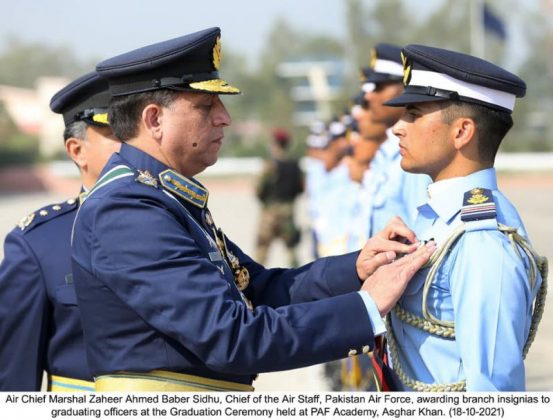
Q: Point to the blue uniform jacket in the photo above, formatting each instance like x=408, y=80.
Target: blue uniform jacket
x=155, y=293
x=40, y=326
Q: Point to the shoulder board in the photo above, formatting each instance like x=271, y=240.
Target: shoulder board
x=46, y=213
x=478, y=204
x=188, y=189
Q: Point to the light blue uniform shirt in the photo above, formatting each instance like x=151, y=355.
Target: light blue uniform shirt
x=337, y=195
x=331, y=195
x=359, y=214
x=314, y=180
x=482, y=285
x=394, y=192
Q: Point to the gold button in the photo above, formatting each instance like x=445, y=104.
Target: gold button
x=43, y=213
x=71, y=201
x=56, y=207
x=366, y=349
x=166, y=177
x=352, y=352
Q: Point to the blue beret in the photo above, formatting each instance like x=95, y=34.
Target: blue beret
x=385, y=64
x=435, y=74
x=188, y=63
x=85, y=99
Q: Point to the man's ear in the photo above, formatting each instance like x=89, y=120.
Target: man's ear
x=464, y=132
x=152, y=120
x=76, y=152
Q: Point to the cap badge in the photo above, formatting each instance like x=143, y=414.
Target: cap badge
x=406, y=69
x=373, y=58
x=217, y=53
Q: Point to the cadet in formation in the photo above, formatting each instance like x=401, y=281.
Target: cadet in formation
x=393, y=191
x=168, y=302
x=467, y=319
x=336, y=192
x=388, y=191
x=40, y=327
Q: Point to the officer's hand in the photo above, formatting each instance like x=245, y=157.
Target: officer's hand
x=396, y=229
x=396, y=238
x=387, y=284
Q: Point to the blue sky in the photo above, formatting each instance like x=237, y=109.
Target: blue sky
x=103, y=28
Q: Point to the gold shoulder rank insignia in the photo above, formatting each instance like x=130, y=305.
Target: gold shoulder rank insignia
x=477, y=197
x=478, y=204
x=145, y=177
x=26, y=221
x=183, y=187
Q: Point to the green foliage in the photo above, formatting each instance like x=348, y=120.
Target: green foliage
x=19, y=149
x=15, y=147
x=22, y=63
x=266, y=102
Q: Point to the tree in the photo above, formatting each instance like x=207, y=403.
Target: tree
x=533, y=128
x=22, y=63
x=15, y=147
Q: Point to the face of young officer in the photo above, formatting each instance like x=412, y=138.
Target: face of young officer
x=192, y=131
x=425, y=141
x=382, y=93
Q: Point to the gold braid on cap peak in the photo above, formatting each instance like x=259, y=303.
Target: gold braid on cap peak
x=215, y=86
x=101, y=118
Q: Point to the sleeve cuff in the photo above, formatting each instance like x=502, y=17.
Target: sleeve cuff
x=377, y=323
x=341, y=274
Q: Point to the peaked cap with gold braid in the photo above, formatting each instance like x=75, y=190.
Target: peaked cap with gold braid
x=189, y=63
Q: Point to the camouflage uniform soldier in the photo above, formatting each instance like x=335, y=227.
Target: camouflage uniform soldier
x=280, y=183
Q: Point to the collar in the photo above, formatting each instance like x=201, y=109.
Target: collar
x=141, y=160
x=151, y=171
x=446, y=197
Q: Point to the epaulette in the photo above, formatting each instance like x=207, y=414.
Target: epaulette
x=46, y=213
x=184, y=187
x=478, y=204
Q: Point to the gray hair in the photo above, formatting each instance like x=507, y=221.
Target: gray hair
x=76, y=129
